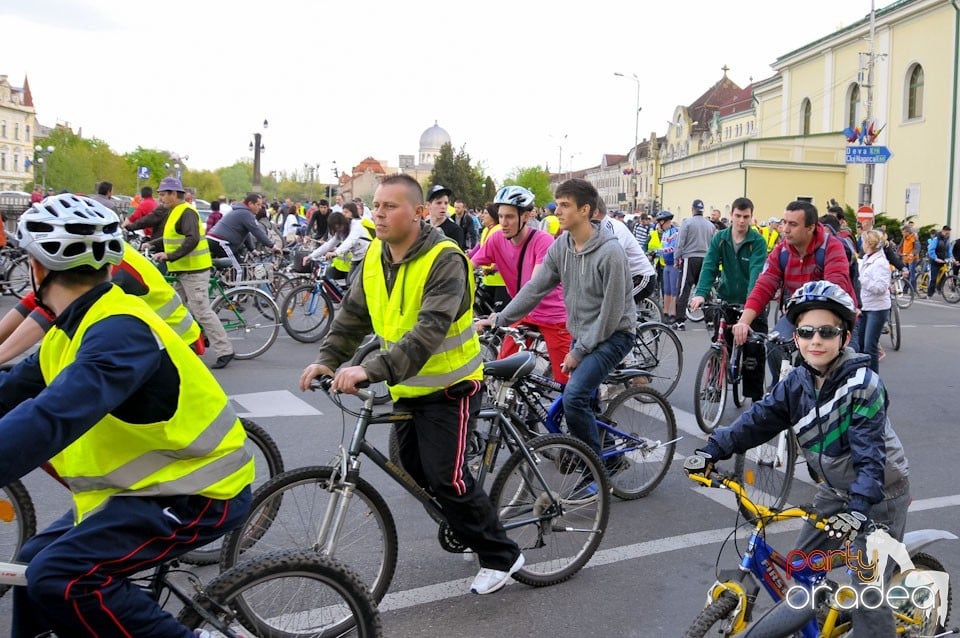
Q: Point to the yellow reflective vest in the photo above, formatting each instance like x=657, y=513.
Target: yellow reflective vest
x=394, y=315
x=161, y=297
x=199, y=257
x=199, y=450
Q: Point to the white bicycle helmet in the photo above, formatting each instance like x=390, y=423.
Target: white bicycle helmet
x=515, y=196
x=825, y=295
x=67, y=231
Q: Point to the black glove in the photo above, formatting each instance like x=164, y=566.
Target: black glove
x=845, y=525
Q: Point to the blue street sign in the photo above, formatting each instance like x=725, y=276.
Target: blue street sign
x=867, y=155
x=143, y=172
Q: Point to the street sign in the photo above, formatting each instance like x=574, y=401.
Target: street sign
x=143, y=172
x=867, y=155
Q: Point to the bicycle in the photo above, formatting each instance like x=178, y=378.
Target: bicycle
x=717, y=372
x=307, y=311
x=902, y=290
x=732, y=598
x=893, y=323
x=947, y=284
x=551, y=492
x=249, y=316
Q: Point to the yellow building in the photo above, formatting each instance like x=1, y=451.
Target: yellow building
x=18, y=125
x=787, y=142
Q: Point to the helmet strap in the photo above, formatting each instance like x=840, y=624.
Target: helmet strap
x=38, y=289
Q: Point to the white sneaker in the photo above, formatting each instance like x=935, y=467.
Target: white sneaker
x=491, y=580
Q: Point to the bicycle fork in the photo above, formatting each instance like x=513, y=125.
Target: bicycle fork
x=342, y=487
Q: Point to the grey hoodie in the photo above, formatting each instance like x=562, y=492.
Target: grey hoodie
x=597, y=289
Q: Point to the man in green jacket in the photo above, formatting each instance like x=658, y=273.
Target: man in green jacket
x=736, y=255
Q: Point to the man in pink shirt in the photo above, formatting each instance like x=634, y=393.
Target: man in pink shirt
x=518, y=251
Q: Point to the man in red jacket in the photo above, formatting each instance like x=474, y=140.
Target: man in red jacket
x=803, y=235
x=145, y=207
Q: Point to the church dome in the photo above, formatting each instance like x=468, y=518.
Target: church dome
x=433, y=138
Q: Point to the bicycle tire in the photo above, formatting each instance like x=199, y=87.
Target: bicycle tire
x=250, y=318
x=658, y=350
x=17, y=277
x=920, y=624
x=381, y=394
x=923, y=282
x=280, y=284
x=647, y=417
x=717, y=611
x=287, y=511
x=307, y=313
x=894, y=322
x=267, y=457
x=736, y=391
x=710, y=391
x=696, y=316
x=268, y=597
x=649, y=310
x=571, y=471
x=904, y=294
x=765, y=474
x=18, y=522
x=950, y=289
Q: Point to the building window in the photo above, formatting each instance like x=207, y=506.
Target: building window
x=805, y=110
x=16, y=130
x=853, y=105
x=915, y=93
x=26, y=129
x=3, y=161
x=3, y=129
x=16, y=163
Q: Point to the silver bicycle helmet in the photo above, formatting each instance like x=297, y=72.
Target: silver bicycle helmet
x=515, y=196
x=825, y=295
x=67, y=231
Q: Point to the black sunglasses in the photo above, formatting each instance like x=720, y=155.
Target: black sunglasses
x=826, y=332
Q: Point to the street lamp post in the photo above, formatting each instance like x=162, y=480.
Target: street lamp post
x=257, y=147
x=636, y=137
x=43, y=153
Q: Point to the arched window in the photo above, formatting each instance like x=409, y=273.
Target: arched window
x=915, y=93
x=805, y=110
x=853, y=105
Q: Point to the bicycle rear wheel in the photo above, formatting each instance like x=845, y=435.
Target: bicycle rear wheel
x=923, y=282
x=658, y=351
x=649, y=310
x=557, y=537
x=644, y=448
x=950, y=289
x=18, y=522
x=17, y=277
x=269, y=463
x=903, y=293
x=307, y=313
x=288, y=511
x=710, y=391
x=287, y=593
x=766, y=471
x=251, y=319
x=894, y=322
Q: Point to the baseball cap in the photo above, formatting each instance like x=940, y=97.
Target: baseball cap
x=438, y=191
x=552, y=206
x=170, y=184
x=698, y=204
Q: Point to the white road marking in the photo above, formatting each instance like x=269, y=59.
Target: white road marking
x=273, y=403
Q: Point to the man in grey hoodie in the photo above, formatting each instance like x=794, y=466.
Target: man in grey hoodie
x=692, y=243
x=597, y=293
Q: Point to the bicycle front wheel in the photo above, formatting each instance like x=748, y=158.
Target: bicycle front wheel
x=894, y=322
x=659, y=352
x=251, y=319
x=923, y=282
x=558, y=521
x=269, y=463
x=17, y=277
x=903, y=293
x=950, y=289
x=639, y=441
x=766, y=471
x=710, y=391
x=18, y=522
x=307, y=313
x=648, y=310
x=290, y=593
x=288, y=511
x=716, y=619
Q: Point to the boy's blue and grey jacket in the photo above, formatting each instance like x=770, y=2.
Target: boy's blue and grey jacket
x=843, y=430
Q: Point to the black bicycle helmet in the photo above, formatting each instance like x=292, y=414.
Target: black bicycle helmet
x=825, y=295
x=664, y=215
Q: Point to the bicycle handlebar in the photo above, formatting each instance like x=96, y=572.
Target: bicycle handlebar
x=323, y=382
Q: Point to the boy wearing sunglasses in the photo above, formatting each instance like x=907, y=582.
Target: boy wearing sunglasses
x=838, y=407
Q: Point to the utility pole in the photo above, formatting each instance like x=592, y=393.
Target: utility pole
x=866, y=188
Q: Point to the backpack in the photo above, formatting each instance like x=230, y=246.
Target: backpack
x=819, y=255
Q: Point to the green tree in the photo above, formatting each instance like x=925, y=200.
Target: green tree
x=206, y=183
x=456, y=173
x=237, y=179
x=489, y=190
x=536, y=180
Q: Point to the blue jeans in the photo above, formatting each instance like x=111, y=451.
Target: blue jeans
x=872, y=322
x=584, y=381
x=912, y=277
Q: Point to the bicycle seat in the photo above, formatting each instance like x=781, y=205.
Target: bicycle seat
x=513, y=367
x=222, y=262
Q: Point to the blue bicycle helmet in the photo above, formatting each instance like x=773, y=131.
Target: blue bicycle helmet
x=825, y=295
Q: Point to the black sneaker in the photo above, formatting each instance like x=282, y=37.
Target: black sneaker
x=679, y=327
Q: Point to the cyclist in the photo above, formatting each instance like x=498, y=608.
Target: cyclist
x=414, y=290
x=771, y=233
x=909, y=251
x=737, y=255
x=349, y=246
x=663, y=241
x=939, y=254
x=495, y=288
x=519, y=252
x=598, y=296
x=692, y=243
x=839, y=408
x=26, y=323
x=132, y=421
x=238, y=231
x=550, y=222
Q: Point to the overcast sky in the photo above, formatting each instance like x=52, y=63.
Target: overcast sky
x=339, y=81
